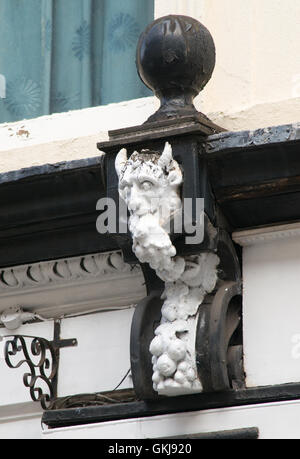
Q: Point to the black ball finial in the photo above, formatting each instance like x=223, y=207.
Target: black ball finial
x=175, y=58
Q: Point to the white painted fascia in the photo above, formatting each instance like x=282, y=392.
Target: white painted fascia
x=266, y=234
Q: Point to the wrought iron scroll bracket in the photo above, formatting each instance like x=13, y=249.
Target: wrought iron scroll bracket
x=42, y=358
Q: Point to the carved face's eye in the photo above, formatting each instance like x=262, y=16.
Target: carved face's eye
x=146, y=185
x=124, y=186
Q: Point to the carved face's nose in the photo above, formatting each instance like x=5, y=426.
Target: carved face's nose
x=134, y=205
x=135, y=202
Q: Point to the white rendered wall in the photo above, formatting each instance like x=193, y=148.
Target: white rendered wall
x=97, y=364
x=271, y=304
x=101, y=359
x=20, y=421
x=193, y=8
x=13, y=390
x=19, y=416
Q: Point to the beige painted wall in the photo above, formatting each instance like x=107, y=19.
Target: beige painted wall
x=258, y=65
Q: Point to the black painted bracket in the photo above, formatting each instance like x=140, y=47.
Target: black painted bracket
x=42, y=359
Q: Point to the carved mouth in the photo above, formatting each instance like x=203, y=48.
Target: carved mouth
x=142, y=212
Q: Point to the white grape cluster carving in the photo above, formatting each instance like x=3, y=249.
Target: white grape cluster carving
x=173, y=348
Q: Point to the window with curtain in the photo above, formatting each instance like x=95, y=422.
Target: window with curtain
x=60, y=55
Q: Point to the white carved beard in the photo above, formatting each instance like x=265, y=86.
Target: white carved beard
x=152, y=244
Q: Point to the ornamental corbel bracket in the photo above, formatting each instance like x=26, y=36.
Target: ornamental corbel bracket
x=186, y=335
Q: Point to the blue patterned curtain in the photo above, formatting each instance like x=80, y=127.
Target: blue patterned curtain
x=60, y=55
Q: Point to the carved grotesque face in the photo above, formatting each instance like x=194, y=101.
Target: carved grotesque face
x=149, y=183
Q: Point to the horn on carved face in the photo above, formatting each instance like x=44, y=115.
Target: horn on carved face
x=166, y=156
x=120, y=161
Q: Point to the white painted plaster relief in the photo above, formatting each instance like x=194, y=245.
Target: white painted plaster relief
x=101, y=265
x=58, y=288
